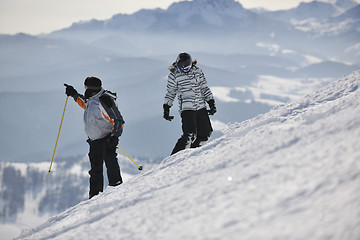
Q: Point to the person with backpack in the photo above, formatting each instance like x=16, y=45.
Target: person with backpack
x=103, y=126
x=187, y=81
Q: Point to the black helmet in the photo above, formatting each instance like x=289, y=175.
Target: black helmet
x=184, y=62
x=92, y=85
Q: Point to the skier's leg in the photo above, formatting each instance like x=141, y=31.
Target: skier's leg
x=188, y=119
x=112, y=166
x=204, y=128
x=96, y=171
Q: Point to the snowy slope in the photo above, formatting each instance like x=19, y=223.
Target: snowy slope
x=29, y=196
x=292, y=173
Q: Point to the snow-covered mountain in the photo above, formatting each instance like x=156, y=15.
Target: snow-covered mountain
x=292, y=173
x=197, y=15
x=320, y=10
x=306, y=10
x=253, y=61
x=29, y=195
x=215, y=15
x=346, y=4
x=242, y=51
x=323, y=18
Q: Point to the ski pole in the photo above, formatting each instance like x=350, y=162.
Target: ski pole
x=139, y=167
x=57, y=139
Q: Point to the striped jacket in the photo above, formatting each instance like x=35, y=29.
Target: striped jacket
x=190, y=87
x=102, y=116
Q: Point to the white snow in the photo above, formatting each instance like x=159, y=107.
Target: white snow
x=271, y=90
x=22, y=167
x=30, y=216
x=27, y=219
x=322, y=28
x=218, y=125
x=355, y=48
x=283, y=88
x=223, y=94
x=292, y=173
x=312, y=59
x=272, y=48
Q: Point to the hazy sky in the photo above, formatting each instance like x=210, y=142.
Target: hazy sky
x=43, y=16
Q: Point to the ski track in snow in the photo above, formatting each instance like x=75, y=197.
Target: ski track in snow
x=292, y=173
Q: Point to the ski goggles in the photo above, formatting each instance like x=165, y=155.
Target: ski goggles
x=91, y=88
x=185, y=69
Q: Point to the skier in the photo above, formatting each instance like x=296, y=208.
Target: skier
x=103, y=126
x=187, y=81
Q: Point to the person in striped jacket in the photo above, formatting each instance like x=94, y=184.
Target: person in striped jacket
x=103, y=126
x=187, y=81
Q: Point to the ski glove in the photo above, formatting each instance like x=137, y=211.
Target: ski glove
x=70, y=90
x=167, y=112
x=212, y=106
x=112, y=141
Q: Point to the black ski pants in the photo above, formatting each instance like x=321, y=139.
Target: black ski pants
x=196, y=127
x=98, y=154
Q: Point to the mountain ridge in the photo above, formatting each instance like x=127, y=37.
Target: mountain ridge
x=180, y=15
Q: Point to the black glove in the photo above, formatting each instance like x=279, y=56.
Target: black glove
x=212, y=106
x=112, y=141
x=167, y=112
x=70, y=90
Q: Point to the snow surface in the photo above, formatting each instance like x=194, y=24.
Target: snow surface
x=292, y=173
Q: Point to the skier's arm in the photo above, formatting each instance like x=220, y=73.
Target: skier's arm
x=205, y=90
x=171, y=90
x=209, y=98
x=79, y=99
